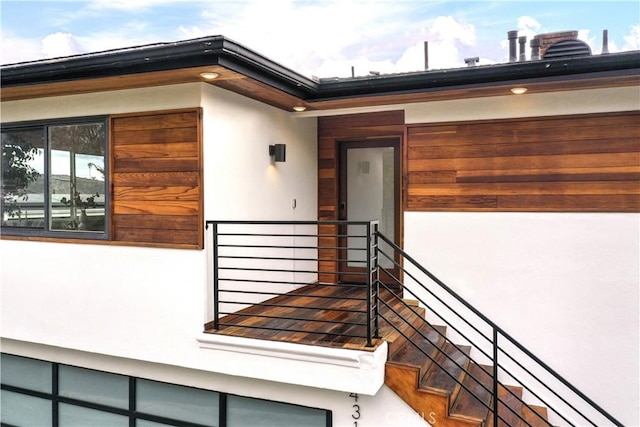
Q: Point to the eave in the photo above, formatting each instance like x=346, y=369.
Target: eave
x=248, y=73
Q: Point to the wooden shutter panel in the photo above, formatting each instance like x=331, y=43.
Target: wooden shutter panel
x=157, y=179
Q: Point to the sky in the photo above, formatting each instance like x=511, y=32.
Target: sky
x=321, y=38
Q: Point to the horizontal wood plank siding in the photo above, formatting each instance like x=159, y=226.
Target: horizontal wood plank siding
x=157, y=179
x=586, y=163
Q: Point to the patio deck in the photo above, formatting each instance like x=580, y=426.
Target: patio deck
x=323, y=315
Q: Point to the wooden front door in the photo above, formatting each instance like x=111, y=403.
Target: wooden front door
x=369, y=189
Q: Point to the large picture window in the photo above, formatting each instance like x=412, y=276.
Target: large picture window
x=41, y=393
x=54, y=178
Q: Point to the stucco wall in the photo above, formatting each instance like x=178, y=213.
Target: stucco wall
x=566, y=285
x=147, y=304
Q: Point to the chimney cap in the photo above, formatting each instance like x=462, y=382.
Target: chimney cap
x=472, y=61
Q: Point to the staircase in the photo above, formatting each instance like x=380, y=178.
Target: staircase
x=481, y=377
x=440, y=381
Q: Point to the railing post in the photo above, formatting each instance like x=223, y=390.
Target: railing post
x=376, y=268
x=369, y=287
x=495, y=376
x=216, y=316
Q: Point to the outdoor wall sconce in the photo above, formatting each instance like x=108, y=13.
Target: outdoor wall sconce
x=278, y=152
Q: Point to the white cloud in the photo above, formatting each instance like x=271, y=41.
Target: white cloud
x=632, y=40
x=585, y=36
x=18, y=49
x=327, y=38
x=528, y=26
x=60, y=44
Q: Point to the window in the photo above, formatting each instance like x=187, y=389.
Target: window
x=39, y=393
x=54, y=178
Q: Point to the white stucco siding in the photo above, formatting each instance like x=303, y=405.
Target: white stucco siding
x=113, y=102
x=144, y=303
x=530, y=104
x=565, y=285
x=241, y=180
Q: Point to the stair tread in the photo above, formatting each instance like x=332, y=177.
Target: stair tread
x=536, y=416
x=437, y=379
x=475, y=403
x=509, y=408
x=410, y=354
x=395, y=338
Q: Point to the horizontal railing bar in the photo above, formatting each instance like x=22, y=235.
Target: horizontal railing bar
x=267, y=316
x=337, y=248
x=296, y=222
x=261, y=304
x=285, y=258
x=232, y=291
x=275, y=270
x=358, y=236
x=284, y=282
x=295, y=330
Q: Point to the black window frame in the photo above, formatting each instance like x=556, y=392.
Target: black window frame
x=132, y=411
x=46, y=232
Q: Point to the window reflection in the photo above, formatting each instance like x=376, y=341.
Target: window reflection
x=22, y=178
x=77, y=177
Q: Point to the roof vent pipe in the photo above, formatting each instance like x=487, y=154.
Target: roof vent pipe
x=605, y=42
x=471, y=62
x=523, y=42
x=426, y=56
x=512, y=36
x=535, y=49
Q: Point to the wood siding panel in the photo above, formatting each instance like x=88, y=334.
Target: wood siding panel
x=157, y=179
x=161, y=136
x=143, y=179
x=587, y=163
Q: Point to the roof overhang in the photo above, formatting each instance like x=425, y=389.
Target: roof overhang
x=246, y=72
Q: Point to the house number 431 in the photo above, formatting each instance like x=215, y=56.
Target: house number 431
x=356, y=409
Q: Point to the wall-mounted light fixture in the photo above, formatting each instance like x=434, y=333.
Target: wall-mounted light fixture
x=278, y=152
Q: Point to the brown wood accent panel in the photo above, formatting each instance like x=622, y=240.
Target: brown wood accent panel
x=576, y=163
x=142, y=179
x=157, y=178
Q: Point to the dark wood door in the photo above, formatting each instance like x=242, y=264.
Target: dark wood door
x=369, y=183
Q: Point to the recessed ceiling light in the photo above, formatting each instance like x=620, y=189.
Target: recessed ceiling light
x=518, y=90
x=209, y=75
x=299, y=108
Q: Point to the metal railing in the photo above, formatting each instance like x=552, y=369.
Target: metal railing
x=258, y=264
x=511, y=363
